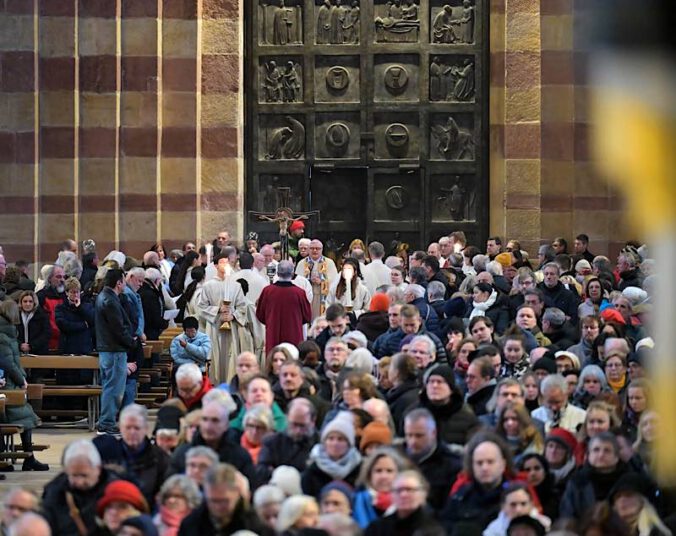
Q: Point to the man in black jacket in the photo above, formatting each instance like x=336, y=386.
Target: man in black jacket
x=113, y=339
x=556, y=293
x=436, y=461
x=224, y=510
x=213, y=433
x=291, y=447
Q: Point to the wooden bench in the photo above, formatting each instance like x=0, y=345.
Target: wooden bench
x=92, y=392
x=13, y=397
x=69, y=362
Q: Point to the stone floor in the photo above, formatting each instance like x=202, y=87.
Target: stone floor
x=57, y=439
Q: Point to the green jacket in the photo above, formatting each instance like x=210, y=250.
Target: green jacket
x=277, y=414
x=14, y=376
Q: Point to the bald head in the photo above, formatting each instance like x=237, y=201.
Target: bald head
x=30, y=524
x=151, y=258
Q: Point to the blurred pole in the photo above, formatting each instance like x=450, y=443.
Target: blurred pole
x=634, y=142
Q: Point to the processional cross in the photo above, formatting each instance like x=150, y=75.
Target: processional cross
x=284, y=216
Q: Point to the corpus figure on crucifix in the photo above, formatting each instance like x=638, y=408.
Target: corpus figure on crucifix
x=288, y=222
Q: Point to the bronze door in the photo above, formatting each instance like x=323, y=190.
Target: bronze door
x=374, y=113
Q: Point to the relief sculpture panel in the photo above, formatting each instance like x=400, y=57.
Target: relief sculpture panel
x=338, y=22
x=337, y=79
x=280, y=22
x=337, y=135
x=397, y=136
x=397, y=21
x=452, y=137
x=453, y=22
x=396, y=78
x=452, y=78
x=281, y=80
x=281, y=138
x=454, y=198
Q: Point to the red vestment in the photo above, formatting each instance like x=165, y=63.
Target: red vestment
x=283, y=308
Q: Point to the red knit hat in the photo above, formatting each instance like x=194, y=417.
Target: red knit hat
x=612, y=315
x=564, y=438
x=298, y=224
x=379, y=302
x=375, y=432
x=122, y=491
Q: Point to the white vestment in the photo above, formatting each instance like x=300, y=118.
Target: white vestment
x=225, y=345
x=376, y=274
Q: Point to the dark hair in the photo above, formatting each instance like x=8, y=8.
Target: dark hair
x=220, y=256
x=87, y=260
x=470, y=252
x=308, y=347
x=190, y=322
x=335, y=311
x=417, y=275
x=185, y=244
x=535, y=292
x=513, y=486
x=340, y=288
x=363, y=415
x=495, y=239
x=582, y=238
x=477, y=319
x=485, y=366
x=188, y=259
x=563, y=242
x=405, y=365
x=198, y=274
x=246, y=260
x=564, y=261
x=484, y=287
x=113, y=277
x=431, y=262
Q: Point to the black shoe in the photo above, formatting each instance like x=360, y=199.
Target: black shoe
x=31, y=464
x=7, y=468
x=106, y=431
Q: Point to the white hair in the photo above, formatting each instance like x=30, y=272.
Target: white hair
x=30, y=523
x=81, y=449
x=220, y=397
x=304, y=242
x=417, y=290
x=134, y=410
x=189, y=371
x=268, y=494
x=153, y=274
x=552, y=382
x=137, y=271
x=202, y=451
x=361, y=360
x=435, y=291
x=393, y=261
x=292, y=509
x=494, y=268
x=427, y=340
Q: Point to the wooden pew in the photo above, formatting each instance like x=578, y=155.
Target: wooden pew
x=13, y=397
x=92, y=392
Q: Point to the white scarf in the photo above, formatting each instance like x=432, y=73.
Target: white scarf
x=25, y=319
x=479, y=309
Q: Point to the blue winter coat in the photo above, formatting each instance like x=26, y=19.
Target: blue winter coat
x=76, y=326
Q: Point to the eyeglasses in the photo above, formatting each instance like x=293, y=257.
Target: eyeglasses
x=399, y=491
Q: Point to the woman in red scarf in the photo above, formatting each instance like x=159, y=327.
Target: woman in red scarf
x=177, y=497
x=258, y=423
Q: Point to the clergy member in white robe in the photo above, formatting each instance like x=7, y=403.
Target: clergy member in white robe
x=225, y=344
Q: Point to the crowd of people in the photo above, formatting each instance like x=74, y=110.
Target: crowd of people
x=365, y=391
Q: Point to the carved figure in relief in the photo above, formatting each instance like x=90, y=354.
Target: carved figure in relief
x=467, y=22
x=324, y=23
x=400, y=24
x=337, y=21
x=443, y=30
x=287, y=142
x=453, y=142
x=451, y=83
x=463, y=88
x=284, y=25
x=272, y=82
x=291, y=83
x=351, y=25
x=454, y=200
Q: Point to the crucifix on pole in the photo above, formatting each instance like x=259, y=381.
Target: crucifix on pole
x=283, y=216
